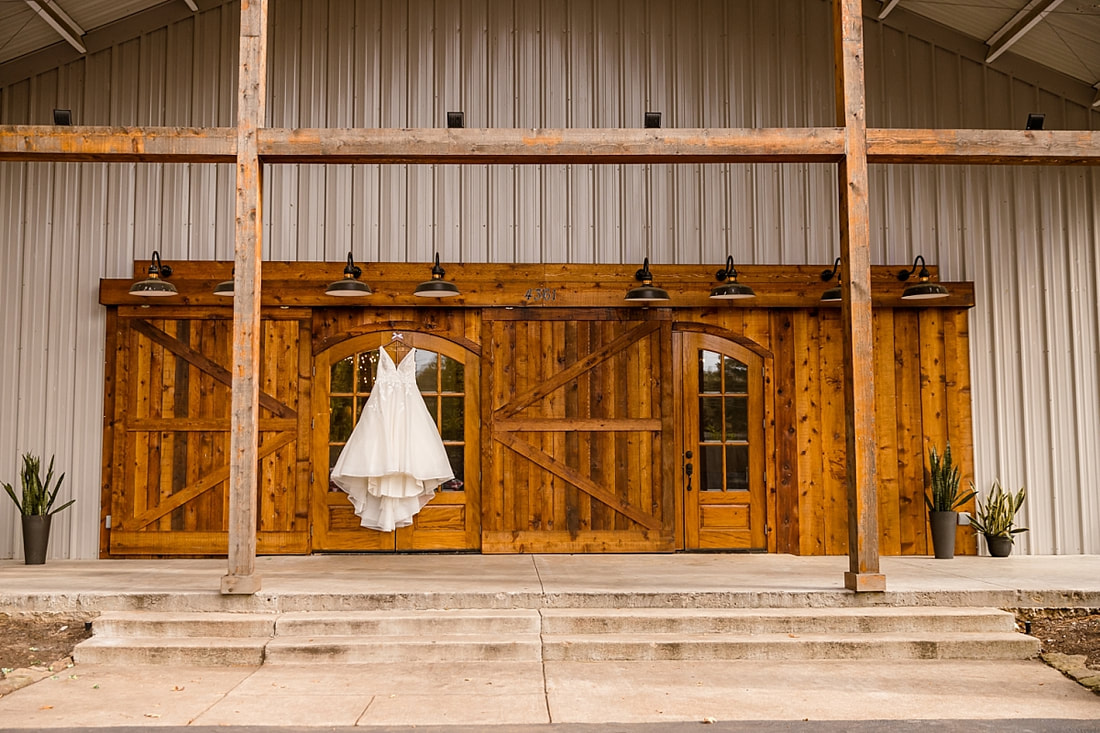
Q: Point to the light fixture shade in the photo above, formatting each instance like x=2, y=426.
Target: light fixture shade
x=155, y=286
x=224, y=289
x=349, y=286
x=647, y=292
x=437, y=287
x=730, y=289
x=832, y=293
x=925, y=290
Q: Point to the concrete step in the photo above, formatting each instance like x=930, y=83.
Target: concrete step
x=703, y=647
x=202, y=624
x=500, y=622
x=872, y=620
x=208, y=651
x=449, y=648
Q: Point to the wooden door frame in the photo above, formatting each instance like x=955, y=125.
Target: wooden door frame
x=368, y=340
x=679, y=330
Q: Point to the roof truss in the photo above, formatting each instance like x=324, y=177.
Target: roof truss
x=1018, y=26
x=60, y=21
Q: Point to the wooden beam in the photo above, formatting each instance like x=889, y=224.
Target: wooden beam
x=245, y=413
x=50, y=143
x=60, y=21
x=822, y=144
x=887, y=7
x=984, y=147
x=855, y=255
x=1018, y=26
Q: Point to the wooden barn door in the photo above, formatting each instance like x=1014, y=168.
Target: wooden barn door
x=449, y=380
x=722, y=403
x=168, y=434
x=579, y=444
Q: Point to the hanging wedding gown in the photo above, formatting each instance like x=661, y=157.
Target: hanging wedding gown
x=394, y=459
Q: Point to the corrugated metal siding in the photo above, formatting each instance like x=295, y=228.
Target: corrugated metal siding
x=1027, y=237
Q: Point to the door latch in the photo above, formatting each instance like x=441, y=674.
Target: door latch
x=689, y=469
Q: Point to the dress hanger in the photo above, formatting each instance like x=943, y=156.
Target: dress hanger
x=402, y=349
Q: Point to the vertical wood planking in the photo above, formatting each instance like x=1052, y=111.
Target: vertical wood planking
x=785, y=475
x=960, y=429
x=811, y=437
x=833, y=407
x=910, y=440
x=886, y=434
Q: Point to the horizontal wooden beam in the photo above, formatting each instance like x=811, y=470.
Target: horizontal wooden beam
x=48, y=143
x=30, y=143
x=577, y=145
x=483, y=285
x=984, y=147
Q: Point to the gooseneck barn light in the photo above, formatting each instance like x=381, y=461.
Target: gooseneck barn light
x=647, y=292
x=350, y=286
x=832, y=293
x=154, y=286
x=730, y=289
x=437, y=287
x=925, y=289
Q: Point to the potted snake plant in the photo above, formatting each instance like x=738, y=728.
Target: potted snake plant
x=996, y=519
x=37, y=507
x=944, y=502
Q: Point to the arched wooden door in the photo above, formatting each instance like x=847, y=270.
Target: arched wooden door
x=448, y=377
x=724, y=451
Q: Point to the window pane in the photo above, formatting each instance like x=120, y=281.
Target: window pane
x=360, y=403
x=340, y=420
x=453, y=418
x=737, y=376
x=710, y=468
x=426, y=373
x=333, y=456
x=342, y=374
x=452, y=375
x=737, y=467
x=737, y=418
x=710, y=419
x=366, y=371
x=710, y=375
x=457, y=456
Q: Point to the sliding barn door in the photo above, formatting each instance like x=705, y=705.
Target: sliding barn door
x=579, y=443
x=448, y=378
x=168, y=435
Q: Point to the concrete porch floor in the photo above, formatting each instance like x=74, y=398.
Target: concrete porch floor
x=548, y=694
x=291, y=583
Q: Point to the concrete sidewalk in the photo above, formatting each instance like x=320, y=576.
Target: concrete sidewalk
x=484, y=694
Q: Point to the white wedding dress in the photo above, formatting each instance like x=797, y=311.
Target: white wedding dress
x=394, y=459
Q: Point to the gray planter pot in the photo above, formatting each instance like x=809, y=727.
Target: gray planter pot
x=999, y=546
x=36, y=537
x=943, y=533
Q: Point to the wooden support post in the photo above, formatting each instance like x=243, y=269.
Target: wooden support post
x=855, y=254
x=244, y=421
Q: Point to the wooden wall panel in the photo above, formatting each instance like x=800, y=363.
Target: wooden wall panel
x=169, y=417
x=169, y=461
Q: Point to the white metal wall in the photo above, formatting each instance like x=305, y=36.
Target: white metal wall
x=1027, y=237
